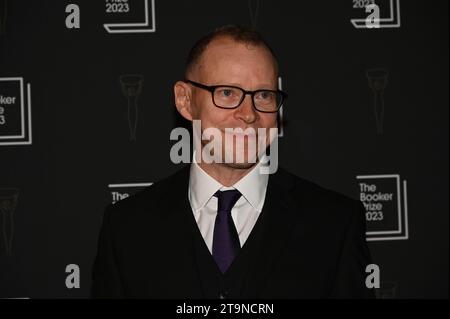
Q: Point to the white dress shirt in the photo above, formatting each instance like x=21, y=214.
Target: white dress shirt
x=245, y=212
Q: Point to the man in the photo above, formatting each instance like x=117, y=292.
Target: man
x=223, y=229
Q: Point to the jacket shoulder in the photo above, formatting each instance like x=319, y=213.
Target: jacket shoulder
x=153, y=195
x=312, y=189
x=332, y=211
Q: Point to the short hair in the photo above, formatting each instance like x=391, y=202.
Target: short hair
x=235, y=32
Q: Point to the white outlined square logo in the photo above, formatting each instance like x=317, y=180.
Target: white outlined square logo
x=386, y=206
x=393, y=20
x=280, y=118
x=124, y=11
x=122, y=191
x=15, y=112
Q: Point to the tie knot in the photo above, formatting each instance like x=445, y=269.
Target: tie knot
x=227, y=199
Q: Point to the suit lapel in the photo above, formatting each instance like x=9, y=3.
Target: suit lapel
x=278, y=218
x=179, y=222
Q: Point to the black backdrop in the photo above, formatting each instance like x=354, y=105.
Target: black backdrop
x=75, y=153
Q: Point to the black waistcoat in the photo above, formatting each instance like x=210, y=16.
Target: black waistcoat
x=233, y=283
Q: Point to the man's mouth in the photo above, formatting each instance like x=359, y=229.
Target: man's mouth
x=250, y=134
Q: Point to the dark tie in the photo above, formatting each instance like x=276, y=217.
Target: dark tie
x=226, y=240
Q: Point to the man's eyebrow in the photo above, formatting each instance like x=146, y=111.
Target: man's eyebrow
x=257, y=87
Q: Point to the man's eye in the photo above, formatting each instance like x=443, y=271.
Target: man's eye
x=226, y=92
x=265, y=95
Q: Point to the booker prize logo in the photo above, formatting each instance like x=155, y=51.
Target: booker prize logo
x=130, y=16
x=15, y=112
x=385, y=200
x=122, y=191
x=377, y=14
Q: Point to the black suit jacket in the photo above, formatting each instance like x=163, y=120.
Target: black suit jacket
x=313, y=244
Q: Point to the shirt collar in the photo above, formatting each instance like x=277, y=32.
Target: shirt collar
x=202, y=187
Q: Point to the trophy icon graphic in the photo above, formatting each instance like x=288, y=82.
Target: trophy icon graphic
x=8, y=204
x=3, y=10
x=131, y=85
x=253, y=9
x=378, y=79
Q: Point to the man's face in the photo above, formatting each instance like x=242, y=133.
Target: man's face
x=226, y=62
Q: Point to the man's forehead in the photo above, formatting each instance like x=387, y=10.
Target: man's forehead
x=225, y=50
x=224, y=45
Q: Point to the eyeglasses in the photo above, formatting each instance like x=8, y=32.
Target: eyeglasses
x=230, y=97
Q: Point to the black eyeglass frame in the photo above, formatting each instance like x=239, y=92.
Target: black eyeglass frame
x=212, y=88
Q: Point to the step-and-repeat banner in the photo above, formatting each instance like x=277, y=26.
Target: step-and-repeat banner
x=87, y=110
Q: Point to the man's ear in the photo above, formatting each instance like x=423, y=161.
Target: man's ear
x=183, y=99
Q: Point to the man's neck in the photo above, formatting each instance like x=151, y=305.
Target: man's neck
x=225, y=174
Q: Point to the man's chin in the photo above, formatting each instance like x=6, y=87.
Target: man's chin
x=239, y=165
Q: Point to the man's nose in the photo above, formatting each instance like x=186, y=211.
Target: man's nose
x=246, y=111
